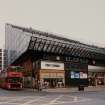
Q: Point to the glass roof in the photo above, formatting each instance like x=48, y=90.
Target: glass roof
x=51, y=43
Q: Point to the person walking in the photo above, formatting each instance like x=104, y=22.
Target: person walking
x=33, y=84
x=39, y=85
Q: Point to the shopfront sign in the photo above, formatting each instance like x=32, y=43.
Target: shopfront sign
x=96, y=68
x=72, y=75
x=78, y=75
x=73, y=59
x=45, y=75
x=52, y=75
x=52, y=65
x=83, y=75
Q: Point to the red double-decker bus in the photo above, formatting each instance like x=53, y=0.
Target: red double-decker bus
x=12, y=78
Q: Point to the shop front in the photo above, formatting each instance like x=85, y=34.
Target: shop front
x=96, y=76
x=52, y=73
x=76, y=74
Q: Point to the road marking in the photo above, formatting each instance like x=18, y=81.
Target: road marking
x=46, y=100
x=12, y=99
x=75, y=99
x=68, y=102
x=53, y=101
x=8, y=103
x=29, y=102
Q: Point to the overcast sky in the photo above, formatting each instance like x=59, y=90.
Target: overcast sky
x=82, y=20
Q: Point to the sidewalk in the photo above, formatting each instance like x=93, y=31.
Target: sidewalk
x=66, y=90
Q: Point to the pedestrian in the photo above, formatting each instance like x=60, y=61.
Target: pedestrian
x=45, y=84
x=39, y=85
x=33, y=86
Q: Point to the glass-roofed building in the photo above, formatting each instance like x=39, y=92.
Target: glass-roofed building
x=59, y=61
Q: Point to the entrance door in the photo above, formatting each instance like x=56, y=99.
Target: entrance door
x=51, y=81
x=96, y=78
x=54, y=82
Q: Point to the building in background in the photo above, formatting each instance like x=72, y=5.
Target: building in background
x=3, y=59
x=52, y=59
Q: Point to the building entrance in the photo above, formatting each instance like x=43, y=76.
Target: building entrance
x=54, y=82
x=96, y=78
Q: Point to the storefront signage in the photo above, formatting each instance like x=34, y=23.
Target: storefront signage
x=96, y=68
x=72, y=74
x=83, y=75
x=77, y=75
x=73, y=59
x=52, y=65
x=45, y=75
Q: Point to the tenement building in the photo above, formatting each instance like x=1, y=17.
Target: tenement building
x=59, y=61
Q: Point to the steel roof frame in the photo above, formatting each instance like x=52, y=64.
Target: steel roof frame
x=63, y=47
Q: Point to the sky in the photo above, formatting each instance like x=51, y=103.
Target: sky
x=82, y=20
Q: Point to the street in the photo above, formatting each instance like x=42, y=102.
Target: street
x=28, y=97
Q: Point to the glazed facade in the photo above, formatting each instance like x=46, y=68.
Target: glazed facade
x=16, y=42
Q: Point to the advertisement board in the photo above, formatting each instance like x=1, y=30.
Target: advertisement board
x=77, y=75
x=72, y=74
x=83, y=75
x=52, y=65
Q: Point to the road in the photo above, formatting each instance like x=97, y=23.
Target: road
x=28, y=97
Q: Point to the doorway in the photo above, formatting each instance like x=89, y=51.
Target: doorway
x=96, y=78
x=54, y=82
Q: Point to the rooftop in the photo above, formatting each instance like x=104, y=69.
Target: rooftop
x=48, y=42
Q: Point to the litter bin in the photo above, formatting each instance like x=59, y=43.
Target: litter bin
x=81, y=88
